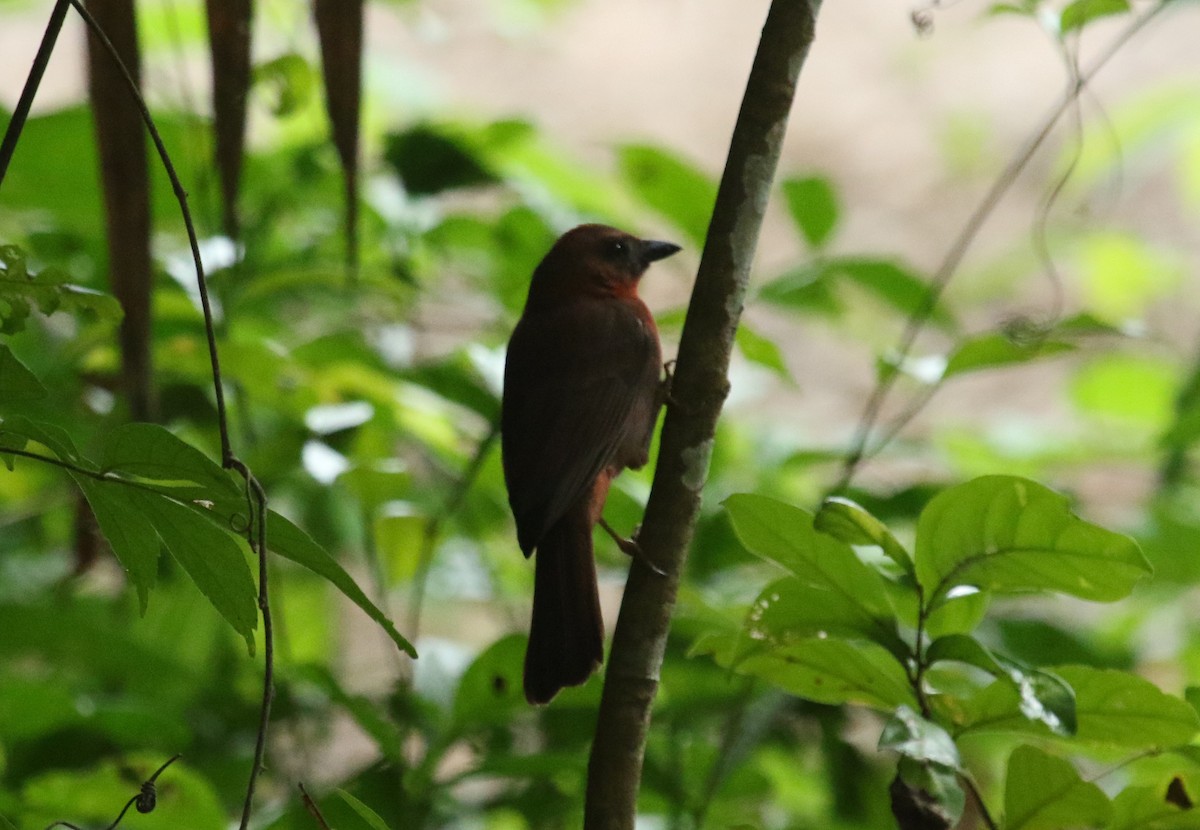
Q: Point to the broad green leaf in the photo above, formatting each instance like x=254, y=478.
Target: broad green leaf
x=1121, y=708
x=290, y=542
x=761, y=350
x=1112, y=708
x=132, y=537
x=369, y=816
x=1042, y=696
x=1081, y=12
x=813, y=206
x=1003, y=533
x=920, y=739
x=52, y=437
x=844, y=519
x=785, y=535
x=1043, y=792
x=835, y=671
x=960, y=613
x=209, y=555
x=152, y=452
x=995, y=349
x=1153, y=808
x=671, y=186
x=790, y=609
x=17, y=384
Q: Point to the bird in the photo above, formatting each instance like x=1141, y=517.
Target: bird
x=582, y=392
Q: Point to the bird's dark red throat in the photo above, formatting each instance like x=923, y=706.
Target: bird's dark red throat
x=581, y=396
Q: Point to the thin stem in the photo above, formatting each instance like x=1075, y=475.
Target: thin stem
x=313, y=810
x=181, y=197
x=958, y=249
x=17, y=123
x=255, y=495
x=256, y=501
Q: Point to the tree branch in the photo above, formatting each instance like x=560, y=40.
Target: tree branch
x=700, y=382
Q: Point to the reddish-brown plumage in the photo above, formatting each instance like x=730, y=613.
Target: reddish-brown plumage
x=581, y=394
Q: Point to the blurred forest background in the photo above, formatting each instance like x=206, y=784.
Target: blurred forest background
x=364, y=397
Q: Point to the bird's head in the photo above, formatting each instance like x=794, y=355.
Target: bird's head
x=595, y=261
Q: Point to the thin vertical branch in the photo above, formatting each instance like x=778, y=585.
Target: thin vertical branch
x=958, y=249
x=700, y=385
x=17, y=123
x=255, y=496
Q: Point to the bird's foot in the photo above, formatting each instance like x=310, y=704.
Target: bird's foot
x=630, y=547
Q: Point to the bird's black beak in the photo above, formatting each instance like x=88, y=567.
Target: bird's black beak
x=653, y=250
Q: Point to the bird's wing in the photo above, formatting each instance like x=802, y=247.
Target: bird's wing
x=573, y=381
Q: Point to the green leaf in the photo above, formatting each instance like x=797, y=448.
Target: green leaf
x=1113, y=708
x=369, y=816
x=48, y=291
x=835, y=671
x=1003, y=533
x=1122, y=276
x=996, y=349
x=17, y=384
x=844, y=519
x=889, y=281
x=1081, y=12
x=790, y=609
x=785, y=535
x=288, y=81
x=290, y=542
x=133, y=539
x=1043, y=696
x=760, y=350
x=671, y=186
x=1043, y=792
x=920, y=739
x=960, y=612
x=1152, y=808
x=149, y=451
x=52, y=437
x=430, y=159
x=491, y=690
x=813, y=206
x=209, y=555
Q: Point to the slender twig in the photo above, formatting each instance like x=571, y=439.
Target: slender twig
x=699, y=387
x=181, y=198
x=313, y=810
x=958, y=249
x=17, y=123
x=146, y=799
x=256, y=497
x=433, y=527
x=256, y=504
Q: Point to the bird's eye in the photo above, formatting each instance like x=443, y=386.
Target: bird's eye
x=618, y=247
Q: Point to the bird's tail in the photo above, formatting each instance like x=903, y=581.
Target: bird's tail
x=566, y=637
